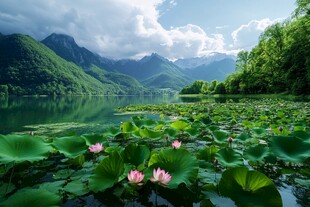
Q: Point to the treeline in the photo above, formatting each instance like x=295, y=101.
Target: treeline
x=280, y=63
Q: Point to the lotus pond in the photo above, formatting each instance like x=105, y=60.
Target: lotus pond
x=250, y=153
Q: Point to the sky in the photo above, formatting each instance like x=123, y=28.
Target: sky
x=121, y=29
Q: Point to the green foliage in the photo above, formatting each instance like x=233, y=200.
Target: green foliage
x=181, y=165
x=70, y=146
x=249, y=188
x=17, y=148
x=280, y=62
x=30, y=68
x=4, y=90
x=32, y=198
x=107, y=173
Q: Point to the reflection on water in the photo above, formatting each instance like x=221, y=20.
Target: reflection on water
x=18, y=112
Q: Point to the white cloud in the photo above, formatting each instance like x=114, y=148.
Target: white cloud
x=246, y=36
x=112, y=28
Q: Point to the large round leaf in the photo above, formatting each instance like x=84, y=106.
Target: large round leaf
x=229, y=158
x=256, y=152
x=290, y=149
x=71, y=147
x=94, y=138
x=136, y=154
x=207, y=154
x=17, y=148
x=148, y=133
x=179, y=163
x=179, y=125
x=127, y=127
x=249, y=188
x=260, y=132
x=220, y=136
x=107, y=173
x=32, y=198
x=243, y=137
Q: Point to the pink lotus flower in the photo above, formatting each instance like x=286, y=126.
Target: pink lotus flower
x=176, y=144
x=135, y=177
x=161, y=177
x=96, y=148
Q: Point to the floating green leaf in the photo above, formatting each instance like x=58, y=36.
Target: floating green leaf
x=128, y=127
x=290, y=149
x=249, y=188
x=94, y=138
x=76, y=187
x=256, y=152
x=179, y=125
x=180, y=164
x=260, y=132
x=220, y=136
x=71, y=147
x=17, y=148
x=136, y=154
x=208, y=154
x=229, y=158
x=148, y=133
x=32, y=198
x=107, y=173
x=243, y=137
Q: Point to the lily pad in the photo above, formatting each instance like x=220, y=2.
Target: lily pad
x=71, y=147
x=260, y=132
x=220, y=136
x=179, y=125
x=179, y=163
x=107, y=173
x=256, y=152
x=290, y=149
x=17, y=148
x=148, y=133
x=136, y=154
x=249, y=188
x=127, y=127
x=32, y=198
x=229, y=157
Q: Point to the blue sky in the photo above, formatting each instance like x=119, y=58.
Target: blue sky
x=131, y=29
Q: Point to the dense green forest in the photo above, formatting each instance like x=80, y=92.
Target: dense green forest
x=28, y=67
x=280, y=63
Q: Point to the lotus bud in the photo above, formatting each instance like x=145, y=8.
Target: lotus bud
x=167, y=137
x=31, y=133
x=215, y=162
x=212, y=138
x=280, y=128
x=230, y=139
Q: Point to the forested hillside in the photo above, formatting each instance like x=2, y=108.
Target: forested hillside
x=27, y=67
x=280, y=63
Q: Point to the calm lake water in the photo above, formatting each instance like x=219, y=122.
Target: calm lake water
x=79, y=114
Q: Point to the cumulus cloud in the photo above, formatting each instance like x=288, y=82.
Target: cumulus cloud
x=246, y=36
x=112, y=28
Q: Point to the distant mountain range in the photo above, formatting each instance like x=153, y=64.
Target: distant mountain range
x=64, y=67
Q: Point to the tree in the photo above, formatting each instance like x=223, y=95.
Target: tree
x=4, y=90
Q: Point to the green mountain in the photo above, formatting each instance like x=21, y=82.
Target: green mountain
x=28, y=67
x=154, y=71
x=216, y=70
x=96, y=66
